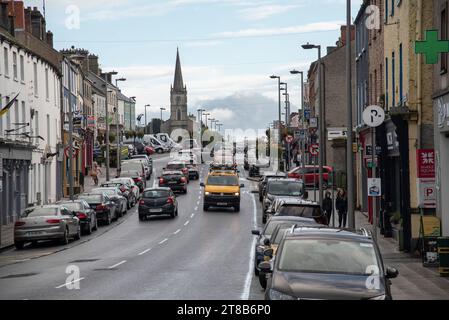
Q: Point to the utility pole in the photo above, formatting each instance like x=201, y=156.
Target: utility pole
x=146, y=123
x=71, y=192
x=106, y=76
x=349, y=155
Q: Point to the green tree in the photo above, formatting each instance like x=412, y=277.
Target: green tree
x=140, y=134
x=111, y=137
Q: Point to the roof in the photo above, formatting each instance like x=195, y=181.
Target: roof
x=157, y=188
x=287, y=218
x=223, y=173
x=296, y=201
x=178, y=83
x=121, y=96
x=329, y=232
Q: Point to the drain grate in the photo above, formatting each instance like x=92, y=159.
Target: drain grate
x=83, y=260
x=21, y=275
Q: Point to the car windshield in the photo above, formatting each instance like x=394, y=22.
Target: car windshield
x=271, y=225
x=299, y=211
x=73, y=205
x=108, y=191
x=128, y=166
x=222, y=181
x=285, y=188
x=328, y=256
x=175, y=166
x=41, y=212
x=156, y=194
x=131, y=173
x=92, y=198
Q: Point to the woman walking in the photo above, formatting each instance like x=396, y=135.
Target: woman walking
x=328, y=207
x=94, y=174
x=342, y=207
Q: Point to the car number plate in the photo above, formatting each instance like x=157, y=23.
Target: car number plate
x=155, y=210
x=172, y=182
x=34, y=233
x=222, y=204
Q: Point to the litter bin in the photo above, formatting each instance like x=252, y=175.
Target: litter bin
x=443, y=254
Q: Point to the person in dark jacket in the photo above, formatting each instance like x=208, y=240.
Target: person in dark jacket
x=328, y=206
x=341, y=205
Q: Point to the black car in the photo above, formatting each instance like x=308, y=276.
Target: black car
x=124, y=189
x=300, y=208
x=86, y=215
x=117, y=197
x=264, y=235
x=175, y=180
x=193, y=170
x=328, y=264
x=158, y=201
x=263, y=182
x=104, y=207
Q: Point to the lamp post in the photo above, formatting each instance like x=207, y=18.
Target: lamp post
x=211, y=120
x=107, y=75
x=130, y=118
x=162, y=109
x=200, y=128
x=119, y=79
x=287, y=116
x=118, y=131
x=219, y=125
x=303, y=145
x=309, y=46
x=206, y=114
x=146, y=123
x=279, y=111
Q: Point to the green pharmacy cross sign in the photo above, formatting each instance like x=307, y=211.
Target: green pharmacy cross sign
x=432, y=47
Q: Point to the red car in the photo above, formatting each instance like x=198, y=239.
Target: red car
x=149, y=150
x=312, y=175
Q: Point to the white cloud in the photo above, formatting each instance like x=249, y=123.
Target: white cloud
x=265, y=11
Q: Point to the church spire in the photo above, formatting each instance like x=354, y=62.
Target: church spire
x=178, y=84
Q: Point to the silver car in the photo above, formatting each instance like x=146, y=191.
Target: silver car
x=46, y=223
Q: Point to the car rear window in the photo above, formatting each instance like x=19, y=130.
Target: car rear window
x=108, y=191
x=73, y=205
x=300, y=211
x=222, y=181
x=92, y=198
x=156, y=194
x=175, y=166
x=129, y=166
x=175, y=176
x=41, y=212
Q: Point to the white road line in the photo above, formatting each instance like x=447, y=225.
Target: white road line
x=163, y=241
x=198, y=202
x=154, y=183
x=192, y=215
x=187, y=222
x=69, y=283
x=117, y=264
x=177, y=231
x=143, y=252
x=196, y=208
x=249, y=275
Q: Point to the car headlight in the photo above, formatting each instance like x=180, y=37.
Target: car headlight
x=236, y=194
x=381, y=297
x=207, y=193
x=276, y=295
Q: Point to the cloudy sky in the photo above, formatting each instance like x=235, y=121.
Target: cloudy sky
x=228, y=48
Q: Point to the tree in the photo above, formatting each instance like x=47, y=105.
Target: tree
x=140, y=134
x=111, y=138
x=156, y=124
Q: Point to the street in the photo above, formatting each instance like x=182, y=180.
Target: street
x=196, y=256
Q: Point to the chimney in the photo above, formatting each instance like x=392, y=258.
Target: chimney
x=50, y=38
x=93, y=64
x=37, y=24
x=343, y=35
x=28, y=19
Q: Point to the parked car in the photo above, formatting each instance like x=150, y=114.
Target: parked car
x=129, y=182
x=263, y=181
x=134, y=166
x=264, y=235
x=175, y=180
x=136, y=176
x=299, y=208
x=146, y=158
x=124, y=188
x=48, y=222
x=147, y=167
x=178, y=166
x=327, y=263
x=104, y=207
x=311, y=175
x=281, y=188
x=194, y=173
x=158, y=201
x=85, y=214
x=155, y=143
x=116, y=196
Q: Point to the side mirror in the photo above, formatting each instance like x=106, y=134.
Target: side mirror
x=265, y=267
x=242, y=186
x=391, y=273
x=202, y=184
x=267, y=242
x=163, y=168
x=255, y=232
x=306, y=195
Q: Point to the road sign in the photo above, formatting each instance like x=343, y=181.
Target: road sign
x=289, y=139
x=373, y=116
x=313, y=123
x=427, y=193
x=374, y=187
x=67, y=152
x=314, y=149
x=425, y=159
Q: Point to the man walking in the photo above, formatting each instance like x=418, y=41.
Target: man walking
x=342, y=207
x=328, y=207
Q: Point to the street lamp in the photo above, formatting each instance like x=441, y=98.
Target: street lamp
x=118, y=133
x=200, y=128
x=211, y=120
x=146, y=123
x=309, y=46
x=303, y=149
x=107, y=76
x=119, y=79
x=206, y=114
x=162, y=109
x=279, y=108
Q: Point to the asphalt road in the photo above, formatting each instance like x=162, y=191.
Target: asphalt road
x=198, y=255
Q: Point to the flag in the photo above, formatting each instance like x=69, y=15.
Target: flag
x=6, y=108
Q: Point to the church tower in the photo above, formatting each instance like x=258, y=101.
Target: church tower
x=178, y=100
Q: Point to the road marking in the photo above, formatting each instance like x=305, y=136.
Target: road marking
x=117, y=264
x=198, y=202
x=69, y=283
x=163, y=241
x=249, y=275
x=154, y=183
x=192, y=215
x=177, y=231
x=143, y=252
x=196, y=208
x=187, y=222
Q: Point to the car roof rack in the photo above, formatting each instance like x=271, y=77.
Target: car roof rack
x=366, y=232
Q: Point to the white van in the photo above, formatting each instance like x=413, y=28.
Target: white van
x=157, y=145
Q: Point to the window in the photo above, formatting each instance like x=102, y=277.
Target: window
x=48, y=129
x=14, y=65
x=36, y=91
x=47, y=91
x=386, y=11
x=5, y=60
x=386, y=83
x=8, y=116
x=23, y=115
x=443, y=28
x=392, y=7
x=393, y=80
x=401, y=77
x=16, y=115
x=36, y=123
x=22, y=68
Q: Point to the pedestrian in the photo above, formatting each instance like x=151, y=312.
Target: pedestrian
x=94, y=173
x=328, y=206
x=342, y=207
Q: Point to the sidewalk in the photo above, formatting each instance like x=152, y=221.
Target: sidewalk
x=89, y=183
x=414, y=282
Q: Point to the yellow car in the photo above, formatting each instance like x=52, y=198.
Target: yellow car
x=222, y=189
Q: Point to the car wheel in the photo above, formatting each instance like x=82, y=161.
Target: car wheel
x=77, y=235
x=19, y=245
x=88, y=229
x=160, y=151
x=96, y=224
x=173, y=214
x=205, y=207
x=65, y=237
x=263, y=279
x=264, y=218
x=237, y=208
x=141, y=218
x=176, y=211
x=185, y=190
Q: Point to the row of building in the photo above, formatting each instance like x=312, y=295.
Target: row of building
x=412, y=145
x=46, y=86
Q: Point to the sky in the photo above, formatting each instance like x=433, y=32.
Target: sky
x=228, y=48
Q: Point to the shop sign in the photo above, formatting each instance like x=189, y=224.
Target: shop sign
x=91, y=122
x=427, y=193
x=425, y=159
